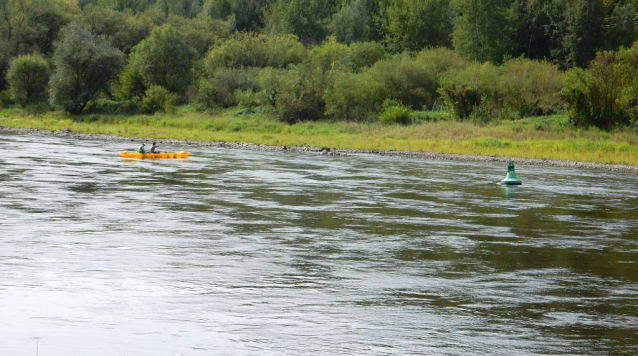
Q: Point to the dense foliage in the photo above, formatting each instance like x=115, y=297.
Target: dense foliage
x=84, y=65
x=387, y=60
x=28, y=77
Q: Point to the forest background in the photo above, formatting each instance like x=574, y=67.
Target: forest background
x=551, y=67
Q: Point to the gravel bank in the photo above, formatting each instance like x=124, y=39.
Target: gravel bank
x=334, y=152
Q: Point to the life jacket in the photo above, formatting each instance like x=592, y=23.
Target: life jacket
x=140, y=150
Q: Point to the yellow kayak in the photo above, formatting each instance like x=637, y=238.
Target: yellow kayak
x=182, y=154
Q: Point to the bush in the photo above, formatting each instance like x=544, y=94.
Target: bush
x=395, y=114
x=38, y=108
x=604, y=95
x=354, y=96
x=5, y=99
x=157, y=99
x=255, y=50
x=460, y=99
x=131, y=84
x=330, y=55
x=366, y=54
x=307, y=108
x=28, y=77
x=220, y=90
x=442, y=60
x=423, y=116
x=103, y=106
x=303, y=99
x=412, y=82
x=531, y=87
x=129, y=107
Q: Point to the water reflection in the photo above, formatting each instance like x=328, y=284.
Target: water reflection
x=244, y=253
x=510, y=191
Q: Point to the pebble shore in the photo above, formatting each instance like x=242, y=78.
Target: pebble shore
x=331, y=152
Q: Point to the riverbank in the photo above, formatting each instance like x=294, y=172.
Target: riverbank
x=329, y=151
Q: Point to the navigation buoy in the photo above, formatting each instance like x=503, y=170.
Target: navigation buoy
x=511, y=178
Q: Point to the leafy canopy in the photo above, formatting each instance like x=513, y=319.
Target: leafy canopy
x=84, y=66
x=164, y=59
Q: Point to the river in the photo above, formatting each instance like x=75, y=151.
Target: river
x=235, y=252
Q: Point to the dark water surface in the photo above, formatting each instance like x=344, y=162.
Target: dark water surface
x=259, y=253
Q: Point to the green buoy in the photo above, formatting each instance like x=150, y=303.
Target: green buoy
x=511, y=178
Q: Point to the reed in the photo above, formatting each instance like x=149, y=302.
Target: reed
x=546, y=137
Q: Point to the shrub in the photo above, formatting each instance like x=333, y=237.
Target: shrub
x=354, y=96
x=422, y=116
x=395, y=114
x=28, y=76
x=442, y=60
x=600, y=95
x=255, y=50
x=460, y=99
x=103, y=106
x=131, y=84
x=366, y=54
x=272, y=82
x=38, y=108
x=531, y=87
x=5, y=99
x=222, y=87
x=309, y=107
x=129, y=107
x=157, y=99
x=303, y=99
x=330, y=55
x=408, y=80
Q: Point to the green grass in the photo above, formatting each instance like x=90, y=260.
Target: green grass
x=541, y=137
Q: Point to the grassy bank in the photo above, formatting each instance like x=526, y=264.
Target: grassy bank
x=540, y=137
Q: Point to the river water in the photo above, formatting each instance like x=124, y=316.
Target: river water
x=233, y=252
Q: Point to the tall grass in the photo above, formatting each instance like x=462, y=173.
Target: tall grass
x=538, y=137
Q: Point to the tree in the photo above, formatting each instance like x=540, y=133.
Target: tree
x=102, y=21
x=164, y=59
x=417, y=24
x=84, y=66
x=306, y=19
x=201, y=32
x=255, y=50
x=248, y=15
x=28, y=76
x=576, y=30
x=621, y=29
x=28, y=26
x=184, y=8
x=121, y=5
x=482, y=29
x=531, y=36
x=351, y=23
x=135, y=28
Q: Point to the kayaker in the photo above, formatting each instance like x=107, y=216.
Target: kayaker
x=153, y=148
x=141, y=149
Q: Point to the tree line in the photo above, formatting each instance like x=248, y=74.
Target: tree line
x=393, y=60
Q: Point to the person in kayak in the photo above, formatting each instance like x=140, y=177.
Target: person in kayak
x=141, y=149
x=154, y=148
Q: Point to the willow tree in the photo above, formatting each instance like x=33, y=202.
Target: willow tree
x=84, y=66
